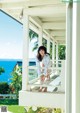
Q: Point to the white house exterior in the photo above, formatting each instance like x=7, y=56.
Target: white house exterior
x=58, y=22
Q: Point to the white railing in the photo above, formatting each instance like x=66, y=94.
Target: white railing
x=58, y=68
x=9, y=96
x=55, y=95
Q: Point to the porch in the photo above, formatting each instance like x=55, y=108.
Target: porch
x=58, y=23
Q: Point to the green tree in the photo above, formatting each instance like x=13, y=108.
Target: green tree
x=4, y=88
x=16, y=81
x=51, y=47
x=61, y=52
x=1, y=70
x=44, y=42
x=32, y=36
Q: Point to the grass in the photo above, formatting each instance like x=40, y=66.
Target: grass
x=12, y=105
x=16, y=109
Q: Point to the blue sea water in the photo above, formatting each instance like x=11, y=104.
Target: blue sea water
x=8, y=66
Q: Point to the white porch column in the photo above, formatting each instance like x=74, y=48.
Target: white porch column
x=25, y=50
x=76, y=59
x=48, y=44
x=63, y=76
x=68, y=72
x=40, y=37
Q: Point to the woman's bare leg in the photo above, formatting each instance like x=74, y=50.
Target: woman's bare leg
x=42, y=78
x=48, y=77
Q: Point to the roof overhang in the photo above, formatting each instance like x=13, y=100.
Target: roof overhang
x=48, y=14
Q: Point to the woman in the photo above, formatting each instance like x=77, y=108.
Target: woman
x=43, y=64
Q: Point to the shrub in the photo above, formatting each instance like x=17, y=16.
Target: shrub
x=4, y=88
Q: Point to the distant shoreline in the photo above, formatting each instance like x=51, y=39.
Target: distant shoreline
x=30, y=59
x=10, y=59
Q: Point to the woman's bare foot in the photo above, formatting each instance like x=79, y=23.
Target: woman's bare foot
x=41, y=88
x=44, y=89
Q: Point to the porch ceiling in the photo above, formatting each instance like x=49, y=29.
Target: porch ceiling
x=50, y=14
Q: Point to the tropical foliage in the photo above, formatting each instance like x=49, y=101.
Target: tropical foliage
x=33, y=35
x=51, y=47
x=57, y=110
x=44, y=42
x=16, y=81
x=42, y=110
x=4, y=88
x=61, y=52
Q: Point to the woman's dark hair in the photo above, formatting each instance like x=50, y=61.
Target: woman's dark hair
x=38, y=54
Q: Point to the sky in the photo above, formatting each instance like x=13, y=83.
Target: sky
x=11, y=35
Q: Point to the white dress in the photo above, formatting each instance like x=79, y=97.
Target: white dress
x=47, y=64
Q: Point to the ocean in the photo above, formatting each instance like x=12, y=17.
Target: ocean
x=8, y=66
